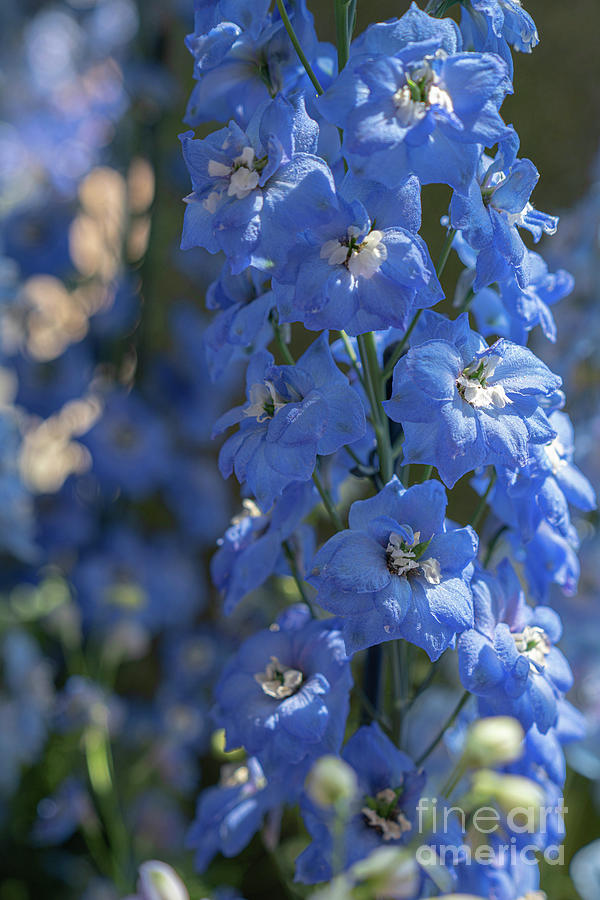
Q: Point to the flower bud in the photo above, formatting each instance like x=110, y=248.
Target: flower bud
x=158, y=881
x=518, y=797
x=331, y=781
x=389, y=872
x=494, y=741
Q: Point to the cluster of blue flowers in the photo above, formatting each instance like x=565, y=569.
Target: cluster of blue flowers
x=387, y=644
x=311, y=191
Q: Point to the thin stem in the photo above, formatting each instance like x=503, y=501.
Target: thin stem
x=492, y=545
x=467, y=301
x=289, y=553
x=328, y=502
x=352, y=356
x=399, y=666
x=374, y=386
x=294, y=39
x=427, y=474
x=372, y=675
x=478, y=514
x=445, y=252
x=441, y=265
x=351, y=18
x=372, y=712
x=283, y=347
x=341, y=31
x=455, y=776
x=449, y=721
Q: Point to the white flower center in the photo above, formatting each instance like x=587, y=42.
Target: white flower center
x=403, y=558
x=383, y=814
x=473, y=387
x=534, y=643
x=555, y=453
x=243, y=177
x=279, y=681
x=264, y=402
x=250, y=510
x=422, y=90
x=362, y=259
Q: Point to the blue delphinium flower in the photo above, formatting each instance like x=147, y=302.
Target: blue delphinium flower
x=389, y=789
x=497, y=25
x=411, y=103
x=398, y=571
x=242, y=325
x=490, y=213
x=241, y=181
x=293, y=413
x=509, y=659
x=463, y=404
x=545, y=487
x=251, y=548
x=229, y=814
x=510, y=311
x=363, y=269
x=284, y=695
x=247, y=58
x=548, y=558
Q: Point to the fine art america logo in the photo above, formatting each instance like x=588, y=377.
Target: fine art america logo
x=488, y=837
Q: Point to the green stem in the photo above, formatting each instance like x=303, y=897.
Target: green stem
x=492, y=545
x=467, y=301
x=289, y=553
x=328, y=502
x=341, y=32
x=100, y=768
x=427, y=474
x=478, y=514
x=294, y=39
x=441, y=265
x=449, y=721
x=455, y=776
x=374, y=386
x=399, y=666
x=283, y=347
x=352, y=356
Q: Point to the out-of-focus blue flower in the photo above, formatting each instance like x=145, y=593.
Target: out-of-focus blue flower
x=59, y=816
x=199, y=501
x=130, y=446
x=284, y=695
x=411, y=103
x=254, y=190
x=398, y=571
x=490, y=213
x=26, y=700
x=509, y=659
x=293, y=414
x=362, y=270
x=384, y=812
x=463, y=404
x=151, y=582
x=251, y=548
x=17, y=522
